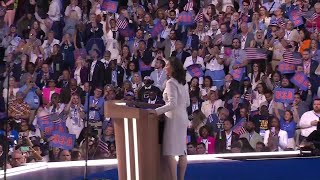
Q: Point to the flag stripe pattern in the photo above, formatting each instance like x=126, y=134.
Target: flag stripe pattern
x=199, y=17
x=255, y=54
x=122, y=22
x=103, y=146
x=188, y=6
x=291, y=58
x=239, y=129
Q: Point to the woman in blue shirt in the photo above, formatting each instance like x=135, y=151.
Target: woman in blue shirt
x=287, y=124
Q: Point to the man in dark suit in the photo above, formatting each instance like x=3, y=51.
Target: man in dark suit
x=190, y=40
x=310, y=67
x=194, y=105
x=228, y=137
x=230, y=86
x=179, y=53
x=93, y=28
x=143, y=59
x=44, y=76
x=114, y=74
x=67, y=92
x=96, y=71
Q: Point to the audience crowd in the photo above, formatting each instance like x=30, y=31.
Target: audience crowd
x=252, y=68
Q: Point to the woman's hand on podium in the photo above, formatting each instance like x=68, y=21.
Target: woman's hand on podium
x=152, y=112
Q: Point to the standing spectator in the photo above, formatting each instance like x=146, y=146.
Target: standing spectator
x=191, y=60
x=275, y=138
x=309, y=120
x=54, y=14
x=96, y=70
x=75, y=115
x=228, y=137
x=289, y=125
x=114, y=74
x=212, y=104
x=10, y=11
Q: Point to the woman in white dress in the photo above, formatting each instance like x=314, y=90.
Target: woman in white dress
x=176, y=96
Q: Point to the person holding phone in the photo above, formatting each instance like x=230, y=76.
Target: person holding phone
x=275, y=138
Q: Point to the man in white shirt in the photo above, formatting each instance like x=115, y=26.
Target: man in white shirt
x=159, y=75
x=309, y=120
x=271, y=6
x=54, y=14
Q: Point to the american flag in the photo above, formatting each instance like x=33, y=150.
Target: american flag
x=188, y=6
x=122, y=22
x=199, y=17
x=54, y=118
x=239, y=127
x=314, y=16
x=281, y=23
x=291, y=57
x=255, y=54
x=103, y=146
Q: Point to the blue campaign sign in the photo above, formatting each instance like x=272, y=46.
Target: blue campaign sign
x=185, y=18
x=300, y=80
x=110, y=6
x=286, y=68
x=295, y=17
x=195, y=70
x=156, y=29
x=62, y=140
x=237, y=73
x=284, y=95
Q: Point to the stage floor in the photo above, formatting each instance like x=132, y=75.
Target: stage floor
x=260, y=169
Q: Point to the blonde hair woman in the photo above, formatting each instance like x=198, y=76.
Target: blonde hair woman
x=80, y=71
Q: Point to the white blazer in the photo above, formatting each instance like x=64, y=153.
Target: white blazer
x=283, y=139
x=176, y=97
x=208, y=108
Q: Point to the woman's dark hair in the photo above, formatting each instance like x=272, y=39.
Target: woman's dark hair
x=193, y=79
x=128, y=71
x=270, y=122
x=178, y=72
x=259, y=72
x=306, y=34
x=291, y=113
x=206, y=128
x=210, y=79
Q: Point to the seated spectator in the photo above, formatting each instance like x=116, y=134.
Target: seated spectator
x=245, y=145
x=208, y=140
x=226, y=138
x=154, y=98
x=252, y=136
x=275, y=138
x=201, y=148
x=212, y=104
x=64, y=155
x=191, y=148
x=194, y=105
x=143, y=93
x=198, y=120
x=260, y=146
x=44, y=76
x=17, y=159
x=214, y=119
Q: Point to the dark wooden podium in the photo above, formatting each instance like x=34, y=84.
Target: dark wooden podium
x=137, y=140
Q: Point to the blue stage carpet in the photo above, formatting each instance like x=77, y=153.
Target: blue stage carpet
x=275, y=169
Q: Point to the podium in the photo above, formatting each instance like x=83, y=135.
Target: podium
x=137, y=140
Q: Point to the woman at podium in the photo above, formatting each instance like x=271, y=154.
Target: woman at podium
x=176, y=97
